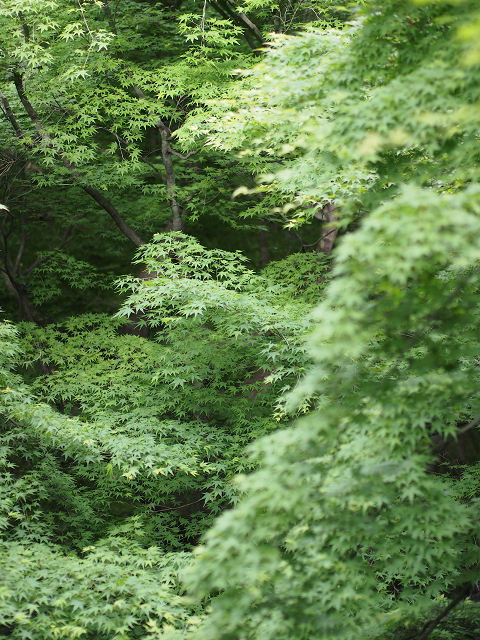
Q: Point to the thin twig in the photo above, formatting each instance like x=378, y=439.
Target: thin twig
x=179, y=155
x=22, y=364
x=127, y=144
x=67, y=236
x=180, y=506
x=154, y=168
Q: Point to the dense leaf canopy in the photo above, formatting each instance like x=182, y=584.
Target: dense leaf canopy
x=240, y=248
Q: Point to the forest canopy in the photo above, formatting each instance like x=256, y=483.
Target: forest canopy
x=239, y=343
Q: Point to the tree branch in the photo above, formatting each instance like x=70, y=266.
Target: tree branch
x=114, y=214
x=228, y=9
x=179, y=155
x=330, y=231
x=142, y=158
x=154, y=168
x=177, y=222
x=250, y=25
x=13, y=285
x=67, y=236
x=94, y=193
x=431, y=625
x=471, y=425
x=10, y=116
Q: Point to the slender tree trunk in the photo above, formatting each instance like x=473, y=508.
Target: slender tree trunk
x=177, y=221
x=328, y=215
x=165, y=133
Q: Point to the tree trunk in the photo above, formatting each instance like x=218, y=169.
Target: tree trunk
x=330, y=230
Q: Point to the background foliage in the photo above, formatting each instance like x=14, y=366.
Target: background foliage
x=196, y=445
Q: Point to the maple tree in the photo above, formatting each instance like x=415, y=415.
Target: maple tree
x=195, y=445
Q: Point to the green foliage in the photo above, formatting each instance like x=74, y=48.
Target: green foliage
x=57, y=268
x=314, y=424
x=115, y=590
x=148, y=435
x=215, y=38
x=357, y=112
x=344, y=505
x=114, y=587
x=303, y=275
x=152, y=427
x=344, y=531
x=290, y=17
x=209, y=296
